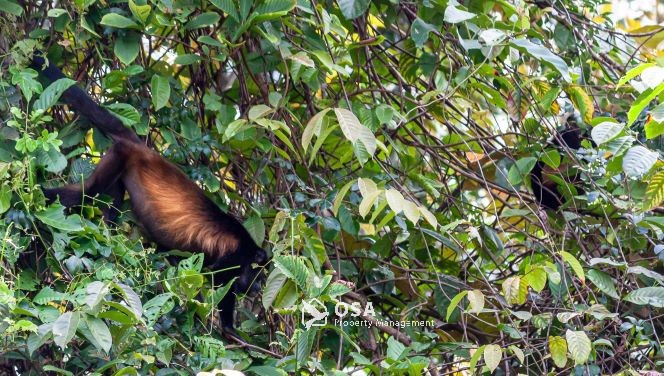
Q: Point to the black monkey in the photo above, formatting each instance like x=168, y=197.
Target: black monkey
x=173, y=211
x=546, y=190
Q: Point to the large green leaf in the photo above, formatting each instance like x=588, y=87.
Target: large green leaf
x=127, y=47
x=604, y=282
x=54, y=216
x=294, y=268
x=355, y=131
x=653, y=296
x=64, y=328
x=11, y=7
x=638, y=160
x=118, y=21
x=352, y=9
x=203, y=20
x=161, y=91
x=558, y=350
x=493, y=354
x=52, y=93
x=543, y=54
x=579, y=345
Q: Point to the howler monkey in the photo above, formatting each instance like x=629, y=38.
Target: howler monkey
x=545, y=189
x=172, y=210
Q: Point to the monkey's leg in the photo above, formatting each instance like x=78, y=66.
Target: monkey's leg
x=116, y=191
x=104, y=179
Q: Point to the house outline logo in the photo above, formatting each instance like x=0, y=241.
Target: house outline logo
x=316, y=310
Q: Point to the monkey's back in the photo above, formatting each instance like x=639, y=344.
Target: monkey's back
x=174, y=211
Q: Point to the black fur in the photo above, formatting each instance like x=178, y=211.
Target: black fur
x=546, y=191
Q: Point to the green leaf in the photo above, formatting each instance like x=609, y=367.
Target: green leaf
x=258, y=112
x=256, y=228
x=654, y=192
x=117, y=21
x=99, y=334
x=395, y=349
x=654, y=128
x=493, y=354
x=632, y=73
x=161, y=91
x=131, y=298
x=641, y=102
x=475, y=357
x=294, y=268
x=228, y=7
x=604, y=282
x=367, y=203
x=52, y=93
x=47, y=295
x=352, y=9
x=10, y=7
x=313, y=128
x=536, y=278
x=127, y=48
x=454, y=303
x=395, y=200
x=95, y=293
x=64, y=328
x=520, y=169
x=653, y=296
x=579, y=345
x=514, y=290
x=581, y=101
x=26, y=80
x=234, y=128
x=338, y=199
x=600, y=312
x=638, y=161
x=5, y=197
x=454, y=15
x=419, y=32
x=157, y=306
x=355, y=131
x=127, y=114
x=476, y=301
x=385, y=113
x=142, y=12
x=606, y=131
x=52, y=159
x=54, y=216
x=275, y=281
x=574, y=264
x=518, y=352
x=271, y=9
x=187, y=59
x=541, y=53
x=558, y=350
x=203, y=20
x=551, y=158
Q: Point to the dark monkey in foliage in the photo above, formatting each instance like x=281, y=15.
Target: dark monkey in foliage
x=545, y=189
x=173, y=211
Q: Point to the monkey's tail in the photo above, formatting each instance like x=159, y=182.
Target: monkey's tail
x=81, y=102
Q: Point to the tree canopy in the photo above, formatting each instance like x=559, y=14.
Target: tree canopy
x=383, y=151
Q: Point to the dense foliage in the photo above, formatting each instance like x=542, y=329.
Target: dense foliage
x=380, y=150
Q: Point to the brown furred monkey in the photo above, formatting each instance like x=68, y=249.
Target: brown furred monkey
x=173, y=211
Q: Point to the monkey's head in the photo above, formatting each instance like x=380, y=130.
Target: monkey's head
x=251, y=273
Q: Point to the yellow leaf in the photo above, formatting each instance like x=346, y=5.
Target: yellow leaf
x=581, y=101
